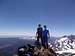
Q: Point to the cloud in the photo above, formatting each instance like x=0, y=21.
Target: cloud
x=17, y=33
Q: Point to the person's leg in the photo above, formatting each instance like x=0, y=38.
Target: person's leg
x=46, y=42
x=38, y=38
x=42, y=41
x=37, y=42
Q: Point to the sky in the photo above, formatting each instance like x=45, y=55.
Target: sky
x=21, y=17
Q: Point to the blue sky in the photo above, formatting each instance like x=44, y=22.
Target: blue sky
x=23, y=16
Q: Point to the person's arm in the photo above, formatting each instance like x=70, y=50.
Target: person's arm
x=48, y=34
x=37, y=33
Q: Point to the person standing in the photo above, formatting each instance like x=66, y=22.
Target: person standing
x=39, y=34
x=46, y=35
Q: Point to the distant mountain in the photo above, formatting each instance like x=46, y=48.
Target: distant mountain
x=9, y=46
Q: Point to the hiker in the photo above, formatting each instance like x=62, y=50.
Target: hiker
x=46, y=35
x=39, y=34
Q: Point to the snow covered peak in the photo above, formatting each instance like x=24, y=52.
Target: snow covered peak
x=65, y=45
